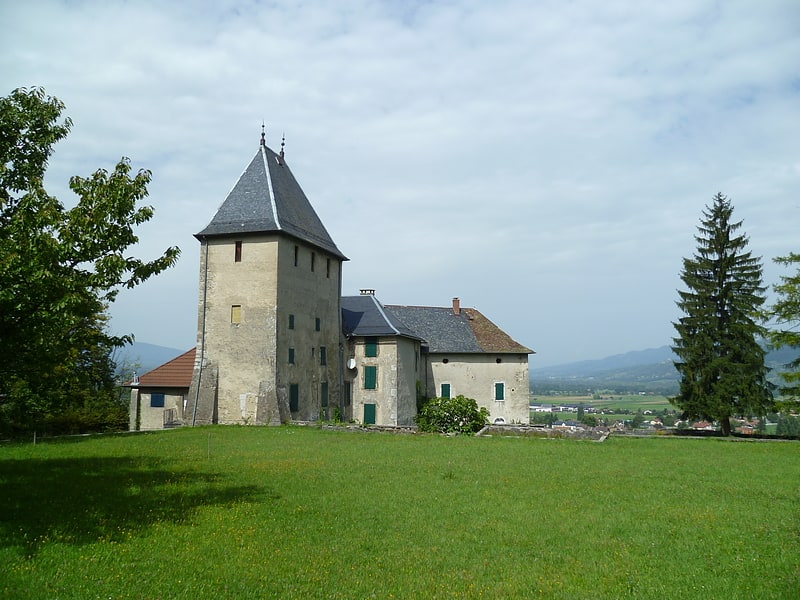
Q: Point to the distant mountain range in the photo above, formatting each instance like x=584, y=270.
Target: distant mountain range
x=650, y=370
x=142, y=357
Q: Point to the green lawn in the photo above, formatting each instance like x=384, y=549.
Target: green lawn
x=296, y=512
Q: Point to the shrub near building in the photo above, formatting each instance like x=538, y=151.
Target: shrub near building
x=451, y=415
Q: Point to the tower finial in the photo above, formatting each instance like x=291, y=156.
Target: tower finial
x=283, y=143
x=263, y=135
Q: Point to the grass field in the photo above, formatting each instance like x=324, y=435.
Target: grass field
x=301, y=512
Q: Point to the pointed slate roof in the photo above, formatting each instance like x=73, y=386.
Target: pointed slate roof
x=365, y=316
x=268, y=199
x=466, y=332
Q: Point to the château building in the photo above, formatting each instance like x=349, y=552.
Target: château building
x=277, y=342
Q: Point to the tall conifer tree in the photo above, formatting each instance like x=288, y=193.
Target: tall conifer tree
x=786, y=313
x=720, y=360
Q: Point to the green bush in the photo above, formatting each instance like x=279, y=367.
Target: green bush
x=451, y=415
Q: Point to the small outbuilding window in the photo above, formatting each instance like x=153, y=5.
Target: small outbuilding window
x=157, y=400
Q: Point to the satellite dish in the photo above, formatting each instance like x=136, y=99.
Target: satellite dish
x=351, y=363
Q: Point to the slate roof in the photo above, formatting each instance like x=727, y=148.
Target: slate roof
x=176, y=373
x=268, y=199
x=465, y=333
x=365, y=316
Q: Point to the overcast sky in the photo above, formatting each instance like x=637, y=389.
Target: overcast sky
x=546, y=162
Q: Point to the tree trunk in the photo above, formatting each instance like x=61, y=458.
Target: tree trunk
x=726, y=425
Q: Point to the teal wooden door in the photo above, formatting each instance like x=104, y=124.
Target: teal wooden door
x=369, y=414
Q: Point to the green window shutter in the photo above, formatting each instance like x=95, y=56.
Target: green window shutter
x=499, y=391
x=369, y=414
x=445, y=390
x=370, y=377
x=371, y=347
x=294, y=397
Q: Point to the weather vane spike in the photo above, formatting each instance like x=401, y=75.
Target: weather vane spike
x=263, y=134
x=283, y=142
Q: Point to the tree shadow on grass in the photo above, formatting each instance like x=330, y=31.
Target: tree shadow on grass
x=85, y=500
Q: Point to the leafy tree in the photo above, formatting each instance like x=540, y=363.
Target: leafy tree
x=786, y=313
x=720, y=362
x=60, y=268
x=451, y=415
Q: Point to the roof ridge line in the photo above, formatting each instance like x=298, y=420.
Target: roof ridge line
x=269, y=186
x=379, y=306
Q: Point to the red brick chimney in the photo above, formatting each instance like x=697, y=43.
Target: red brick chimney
x=456, y=306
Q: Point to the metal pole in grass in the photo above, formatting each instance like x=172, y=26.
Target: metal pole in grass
x=209, y=446
x=34, y=438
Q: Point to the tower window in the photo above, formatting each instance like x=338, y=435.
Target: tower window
x=237, y=252
x=296, y=254
x=313, y=260
x=328, y=268
x=294, y=397
x=323, y=355
x=291, y=321
x=317, y=324
x=236, y=314
x=499, y=391
x=371, y=347
x=291, y=356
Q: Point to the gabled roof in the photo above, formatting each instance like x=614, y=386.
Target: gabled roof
x=465, y=331
x=176, y=373
x=268, y=199
x=365, y=316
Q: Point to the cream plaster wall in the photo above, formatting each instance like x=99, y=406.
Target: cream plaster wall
x=474, y=376
x=152, y=417
x=395, y=397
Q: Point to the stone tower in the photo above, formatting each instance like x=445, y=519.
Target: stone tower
x=269, y=311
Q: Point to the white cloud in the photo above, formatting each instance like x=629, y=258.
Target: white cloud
x=548, y=162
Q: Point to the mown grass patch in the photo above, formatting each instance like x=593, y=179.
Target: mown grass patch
x=299, y=512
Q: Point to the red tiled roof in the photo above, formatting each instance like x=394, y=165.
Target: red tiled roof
x=490, y=337
x=176, y=373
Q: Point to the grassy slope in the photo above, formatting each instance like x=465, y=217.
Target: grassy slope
x=303, y=513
